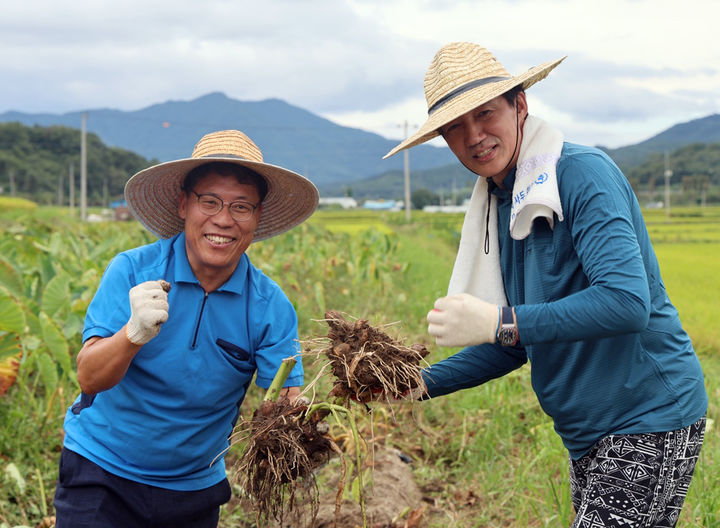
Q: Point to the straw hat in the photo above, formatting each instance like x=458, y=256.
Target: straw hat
x=463, y=76
x=152, y=194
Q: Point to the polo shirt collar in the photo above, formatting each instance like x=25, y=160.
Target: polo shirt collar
x=183, y=272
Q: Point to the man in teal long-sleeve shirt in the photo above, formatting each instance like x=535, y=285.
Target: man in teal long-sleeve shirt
x=560, y=271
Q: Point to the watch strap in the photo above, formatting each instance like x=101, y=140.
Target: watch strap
x=507, y=316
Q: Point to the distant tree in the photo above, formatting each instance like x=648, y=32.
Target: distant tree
x=349, y=192
x=38, y=156
x=422, y=197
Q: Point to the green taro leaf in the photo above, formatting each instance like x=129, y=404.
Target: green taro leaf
x=55, y=342
x=11, y=278
x=48, y=371
x=14, y=476
x=320, y=297
x=56, y=296
x=12, y=318
x=9, y=346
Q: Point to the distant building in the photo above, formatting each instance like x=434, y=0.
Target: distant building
x=382, y=205
x=446, y=208
x=344, y=201
x=121, y=210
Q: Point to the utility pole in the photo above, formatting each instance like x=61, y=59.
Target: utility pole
x=11, y=174
x=406, y=155
x=668, y=175
x=60, y=190
x=83, y=169
x=71, y=187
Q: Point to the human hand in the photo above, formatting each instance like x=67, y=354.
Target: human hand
x=463, y=320
x=149, y=310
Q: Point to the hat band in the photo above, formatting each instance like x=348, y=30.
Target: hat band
x=464, y=88
x=222, y=155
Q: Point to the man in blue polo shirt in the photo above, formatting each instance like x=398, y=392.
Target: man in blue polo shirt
x=172, y=338
x=555, y=267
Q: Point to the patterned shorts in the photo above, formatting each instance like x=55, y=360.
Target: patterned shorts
x=635, y=480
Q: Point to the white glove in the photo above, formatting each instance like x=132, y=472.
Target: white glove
x=149, y=310
x=463, y=320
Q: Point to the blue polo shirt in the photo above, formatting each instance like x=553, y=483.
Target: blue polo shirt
x=607, y=350
x=167, y=422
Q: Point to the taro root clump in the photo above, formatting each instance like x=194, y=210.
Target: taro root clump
x=285, y=446
x=369, y=364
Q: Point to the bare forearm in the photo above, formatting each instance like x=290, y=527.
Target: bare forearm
x=102, y=362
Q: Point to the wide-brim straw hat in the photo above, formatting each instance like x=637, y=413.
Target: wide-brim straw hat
x=152, y=194
x=461, y=77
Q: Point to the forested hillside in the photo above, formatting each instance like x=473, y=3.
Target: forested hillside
x=695, y=170
x=287, y=135
x=35, y=163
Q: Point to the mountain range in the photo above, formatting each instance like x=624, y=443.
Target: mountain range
x=334, y=157
x=287, y=135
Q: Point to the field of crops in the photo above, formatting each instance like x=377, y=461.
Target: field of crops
x=482, y=457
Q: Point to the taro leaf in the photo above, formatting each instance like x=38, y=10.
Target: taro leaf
x=9, y=346
x=12, y=318
x=11, y=279
x=73, y=325
x=14, y=475
x=55, y=342
x=56, y=296
x=48, y=371
x=320, y=296
x=31, y=319
x=10, y=352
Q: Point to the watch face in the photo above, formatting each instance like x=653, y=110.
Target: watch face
x=508, y=336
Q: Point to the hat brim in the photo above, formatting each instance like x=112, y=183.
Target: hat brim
x=153, y=195
x=469, y=100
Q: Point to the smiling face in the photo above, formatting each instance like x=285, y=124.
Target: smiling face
x=487, y=139
x=216, y=243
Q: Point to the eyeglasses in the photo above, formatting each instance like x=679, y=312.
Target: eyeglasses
x=211, y=205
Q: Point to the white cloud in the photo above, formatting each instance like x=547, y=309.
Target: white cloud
x=633, y=65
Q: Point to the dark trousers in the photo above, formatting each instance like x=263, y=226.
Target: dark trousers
x=87, y=496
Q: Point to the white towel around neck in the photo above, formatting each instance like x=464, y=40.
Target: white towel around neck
x=535, y=195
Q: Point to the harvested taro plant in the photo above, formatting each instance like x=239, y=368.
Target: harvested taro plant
x=368, y=364
x=287, y=441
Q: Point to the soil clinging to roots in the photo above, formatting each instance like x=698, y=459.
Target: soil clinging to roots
x=369, y=364
x=285, y=448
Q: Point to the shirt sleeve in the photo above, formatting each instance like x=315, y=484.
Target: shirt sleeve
x=472, y=366
x=109, y=309
x=277, y=339
x=601, y=212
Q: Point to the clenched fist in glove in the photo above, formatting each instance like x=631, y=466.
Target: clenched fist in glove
x=149, y=310
x=463, y=320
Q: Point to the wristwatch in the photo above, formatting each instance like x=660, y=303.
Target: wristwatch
x=507, y=331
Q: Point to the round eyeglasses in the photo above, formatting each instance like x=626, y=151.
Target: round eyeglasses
x=211, y=205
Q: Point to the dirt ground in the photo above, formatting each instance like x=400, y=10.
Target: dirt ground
x=392, y=501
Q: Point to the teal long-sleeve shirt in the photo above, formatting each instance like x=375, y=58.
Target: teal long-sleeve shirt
x=607, y=350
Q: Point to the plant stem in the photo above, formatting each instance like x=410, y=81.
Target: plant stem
x=278, y=381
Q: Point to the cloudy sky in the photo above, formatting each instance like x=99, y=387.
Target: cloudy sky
x=634, y=67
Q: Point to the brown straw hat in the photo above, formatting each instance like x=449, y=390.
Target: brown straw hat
x=152, y=194
x=463, y=76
